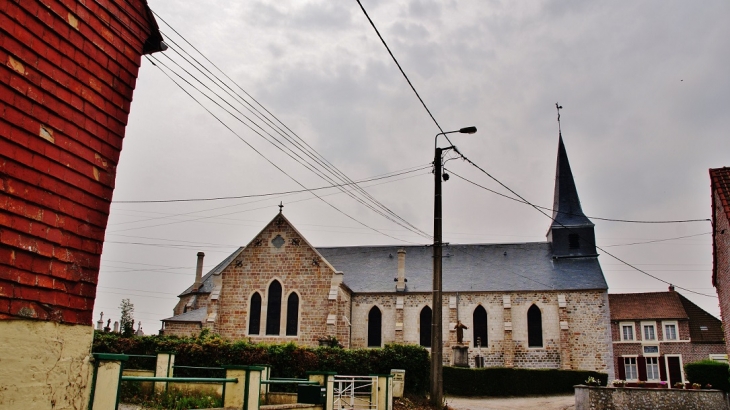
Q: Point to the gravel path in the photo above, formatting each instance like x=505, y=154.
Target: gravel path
x=566, y=402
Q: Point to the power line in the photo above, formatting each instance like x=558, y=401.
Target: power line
x=659, y=240
x=157, y=201
x=563, y=212
x=597, y=247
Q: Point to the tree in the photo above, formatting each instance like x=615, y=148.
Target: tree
x=126, y=325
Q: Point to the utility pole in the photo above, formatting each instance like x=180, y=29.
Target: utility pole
x=437, y=354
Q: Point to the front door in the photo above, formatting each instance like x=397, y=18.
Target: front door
x=674, y=370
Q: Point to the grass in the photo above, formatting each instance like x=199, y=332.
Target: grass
x=172, y=399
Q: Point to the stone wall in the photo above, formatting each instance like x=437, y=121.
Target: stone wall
x=582, y=342
x=182, y=329
x=604, y=398
x=279, y=253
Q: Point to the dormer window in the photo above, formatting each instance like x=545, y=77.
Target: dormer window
x=573, y=241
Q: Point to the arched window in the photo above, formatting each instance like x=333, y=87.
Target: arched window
x=292, y=314
x=534, y=327
x=374, y=327
x=479, y=324
x=273, y=309
x=254, y=315
x=426, y=326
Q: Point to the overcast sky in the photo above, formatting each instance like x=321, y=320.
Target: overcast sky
x=644, y=87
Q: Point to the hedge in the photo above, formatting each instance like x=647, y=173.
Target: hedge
x=708, y=372
x=502, y=381
x=286, y=360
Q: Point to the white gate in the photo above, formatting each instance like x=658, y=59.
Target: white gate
x=356, y=392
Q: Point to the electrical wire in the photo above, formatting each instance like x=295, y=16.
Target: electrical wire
x=597, y=247
x=451, y=172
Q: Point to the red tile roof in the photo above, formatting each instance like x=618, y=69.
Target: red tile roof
x=653, y=305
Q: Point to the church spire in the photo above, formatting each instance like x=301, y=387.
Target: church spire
x=571, y=232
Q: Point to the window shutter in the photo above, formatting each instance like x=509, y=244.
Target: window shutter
x=641, y=364
x=662, y=369
x=621, y=369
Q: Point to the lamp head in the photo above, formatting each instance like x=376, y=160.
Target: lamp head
x=468, y=130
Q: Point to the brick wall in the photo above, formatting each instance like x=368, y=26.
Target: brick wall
x=182, y=329
x=67, y=73
x=722, y=261
x=298, y=268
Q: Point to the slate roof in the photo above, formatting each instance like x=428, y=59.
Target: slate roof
x=666, y=305
x=466, y=268
x=207, y=286
x=566, y=204
x=197, y=315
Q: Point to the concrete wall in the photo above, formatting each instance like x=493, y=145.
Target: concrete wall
x=44, y=365
x=604, y=398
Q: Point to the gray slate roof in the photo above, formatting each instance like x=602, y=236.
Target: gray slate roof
x=566, y=205
x=197, y=315
x=208, y=284
x=466, y=268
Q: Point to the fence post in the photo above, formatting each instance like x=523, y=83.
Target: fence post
x=385, y=391
x=165, y=361
x=326, y=380
x=244, y=394
x=106, y=379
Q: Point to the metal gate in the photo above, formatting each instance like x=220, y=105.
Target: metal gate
x=356, y=392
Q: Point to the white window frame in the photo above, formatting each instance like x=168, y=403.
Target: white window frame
x=644, y=325
x=664, y=330
x=626, y=367
x=719, y=357
x=681, y=365
x=654, y=370
x=621, y=331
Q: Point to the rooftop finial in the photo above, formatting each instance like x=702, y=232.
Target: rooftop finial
x=559, y=107
x=281, y=206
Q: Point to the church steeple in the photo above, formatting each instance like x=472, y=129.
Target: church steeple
x=571, y=232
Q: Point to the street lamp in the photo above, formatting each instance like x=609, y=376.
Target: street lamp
x=437, y=390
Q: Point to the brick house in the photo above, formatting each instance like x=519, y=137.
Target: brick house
x=67, y=74
x=655, y=334
x=526, y=305
x=720, y=190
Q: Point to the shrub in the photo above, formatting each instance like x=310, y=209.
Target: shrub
x=709, y=372
x=286, y=360
x=502, y=381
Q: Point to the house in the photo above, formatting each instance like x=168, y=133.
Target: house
x=655, y=334
x=67, y=74
x=525, y=305
x=720, y=190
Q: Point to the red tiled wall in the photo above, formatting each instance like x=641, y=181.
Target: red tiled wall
x=722, y=261
x=67, y=72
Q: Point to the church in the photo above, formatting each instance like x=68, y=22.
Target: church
x=524, y=305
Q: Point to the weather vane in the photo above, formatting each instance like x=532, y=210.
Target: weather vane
x=559, y=107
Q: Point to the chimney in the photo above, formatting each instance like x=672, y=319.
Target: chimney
x=199, y=273
x=671, y=287
x=401, y=280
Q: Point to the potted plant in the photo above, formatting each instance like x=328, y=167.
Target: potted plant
x=592, y=381
x=619, y=383
x=696, y=386
x=663, y=385
x=679, y=385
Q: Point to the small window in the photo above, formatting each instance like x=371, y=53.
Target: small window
x=574, y=241
x=375, y=327
x=651, y=350
x=670, y=331
x=534, y=327
x=627, y=332
x=425, y=326
x=254, y=315
x=292, y=314
x=652, y=368
x=632, y=372
x=649, y=331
